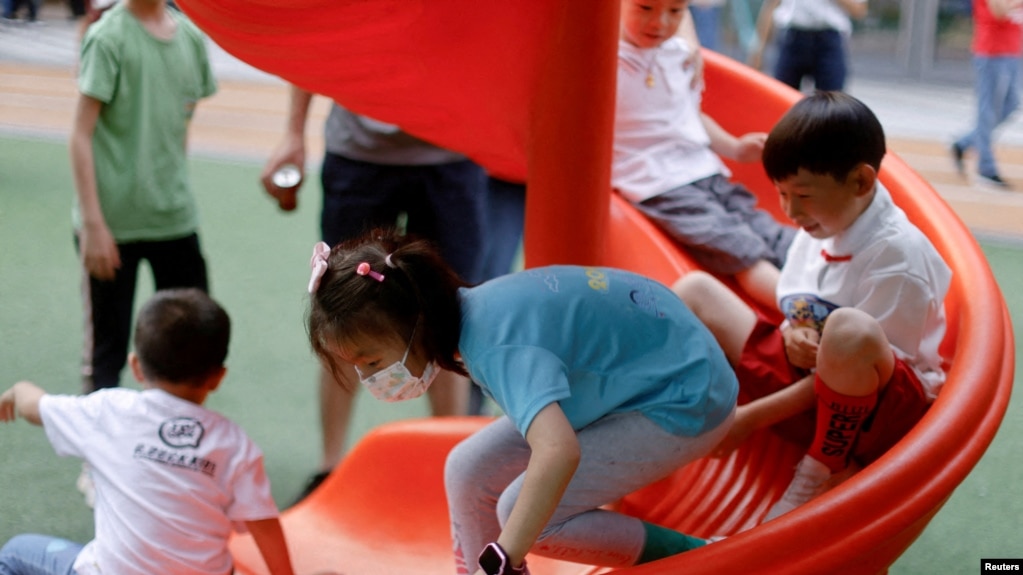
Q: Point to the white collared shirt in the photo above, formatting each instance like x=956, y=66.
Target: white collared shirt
x=894, y=274
x=660, y=142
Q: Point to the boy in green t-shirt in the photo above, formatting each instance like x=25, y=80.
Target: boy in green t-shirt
x=143, y=68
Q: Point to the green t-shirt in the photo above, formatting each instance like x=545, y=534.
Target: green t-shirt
x=149, y=88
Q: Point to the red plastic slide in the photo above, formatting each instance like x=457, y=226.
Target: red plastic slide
x=526, y=88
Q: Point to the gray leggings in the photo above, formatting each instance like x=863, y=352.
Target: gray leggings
x=620, y=453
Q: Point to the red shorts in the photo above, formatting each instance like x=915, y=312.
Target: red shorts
x=764, y=369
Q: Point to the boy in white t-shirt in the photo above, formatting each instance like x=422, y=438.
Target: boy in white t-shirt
x=172, y=477
x=666, y=155
x=856, y=362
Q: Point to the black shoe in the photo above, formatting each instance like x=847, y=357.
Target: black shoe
x=994, y=181
x=311, y=486
x=957, y=158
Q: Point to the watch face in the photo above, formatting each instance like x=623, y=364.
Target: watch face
x=492, y=560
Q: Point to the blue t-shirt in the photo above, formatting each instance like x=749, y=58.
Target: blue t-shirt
x=597, y=341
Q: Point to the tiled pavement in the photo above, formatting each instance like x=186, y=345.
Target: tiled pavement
x=244, y=120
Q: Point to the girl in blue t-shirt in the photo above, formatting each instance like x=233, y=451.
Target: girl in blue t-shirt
x=607, y=381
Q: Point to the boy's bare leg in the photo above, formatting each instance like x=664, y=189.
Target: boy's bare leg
x=855, y=357
x=729, y=318
x=760, y=282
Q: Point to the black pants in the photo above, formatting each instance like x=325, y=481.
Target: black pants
x=109, y=305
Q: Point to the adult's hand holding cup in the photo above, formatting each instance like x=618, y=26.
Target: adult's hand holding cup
x=287, y=180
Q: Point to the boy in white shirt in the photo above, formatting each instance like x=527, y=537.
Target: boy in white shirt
x=171, y=476
x=666, y=155
x=855, y=364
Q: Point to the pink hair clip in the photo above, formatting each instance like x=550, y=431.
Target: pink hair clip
x=363, y=269
x=318, y=263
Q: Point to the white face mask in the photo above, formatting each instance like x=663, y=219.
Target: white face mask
x=396, y=382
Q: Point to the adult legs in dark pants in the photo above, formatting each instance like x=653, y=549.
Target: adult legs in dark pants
x=504, y=219
x=109, y=305
x=818, y=54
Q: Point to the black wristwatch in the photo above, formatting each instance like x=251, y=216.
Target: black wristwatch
x=494, y=561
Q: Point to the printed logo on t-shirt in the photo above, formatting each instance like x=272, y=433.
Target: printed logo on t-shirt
x=598, y=280
x=180, y=436
x=182, y=432
x=806, y=310
x=548, y=278
x=175, y=458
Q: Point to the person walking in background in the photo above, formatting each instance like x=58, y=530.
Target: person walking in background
x=372, y=173
x=997, y=48
x=811, y=40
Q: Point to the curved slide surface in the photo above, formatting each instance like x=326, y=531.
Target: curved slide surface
x=526, y=89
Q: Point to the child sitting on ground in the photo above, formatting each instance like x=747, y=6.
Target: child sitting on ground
x=171, y=476
x=666, y=155
x=855, y=364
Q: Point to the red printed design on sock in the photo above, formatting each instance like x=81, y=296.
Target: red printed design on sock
x=839, y=418
x=461, y=567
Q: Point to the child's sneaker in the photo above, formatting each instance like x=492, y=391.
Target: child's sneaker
x=86, y=486
x=810, y=480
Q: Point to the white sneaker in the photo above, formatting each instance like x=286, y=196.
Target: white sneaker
x=86, y=486
x=810, y=480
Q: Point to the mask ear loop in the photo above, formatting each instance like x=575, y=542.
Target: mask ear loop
x=390, y=263
x=412, y=338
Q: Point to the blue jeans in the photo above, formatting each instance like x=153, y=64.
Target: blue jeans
x=11, y=8
x=706, y=19
x=998, y=94
x=32, y=554
x=505, y=217
x=819, y=54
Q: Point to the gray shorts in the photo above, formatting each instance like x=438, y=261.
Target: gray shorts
x=718, y=223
